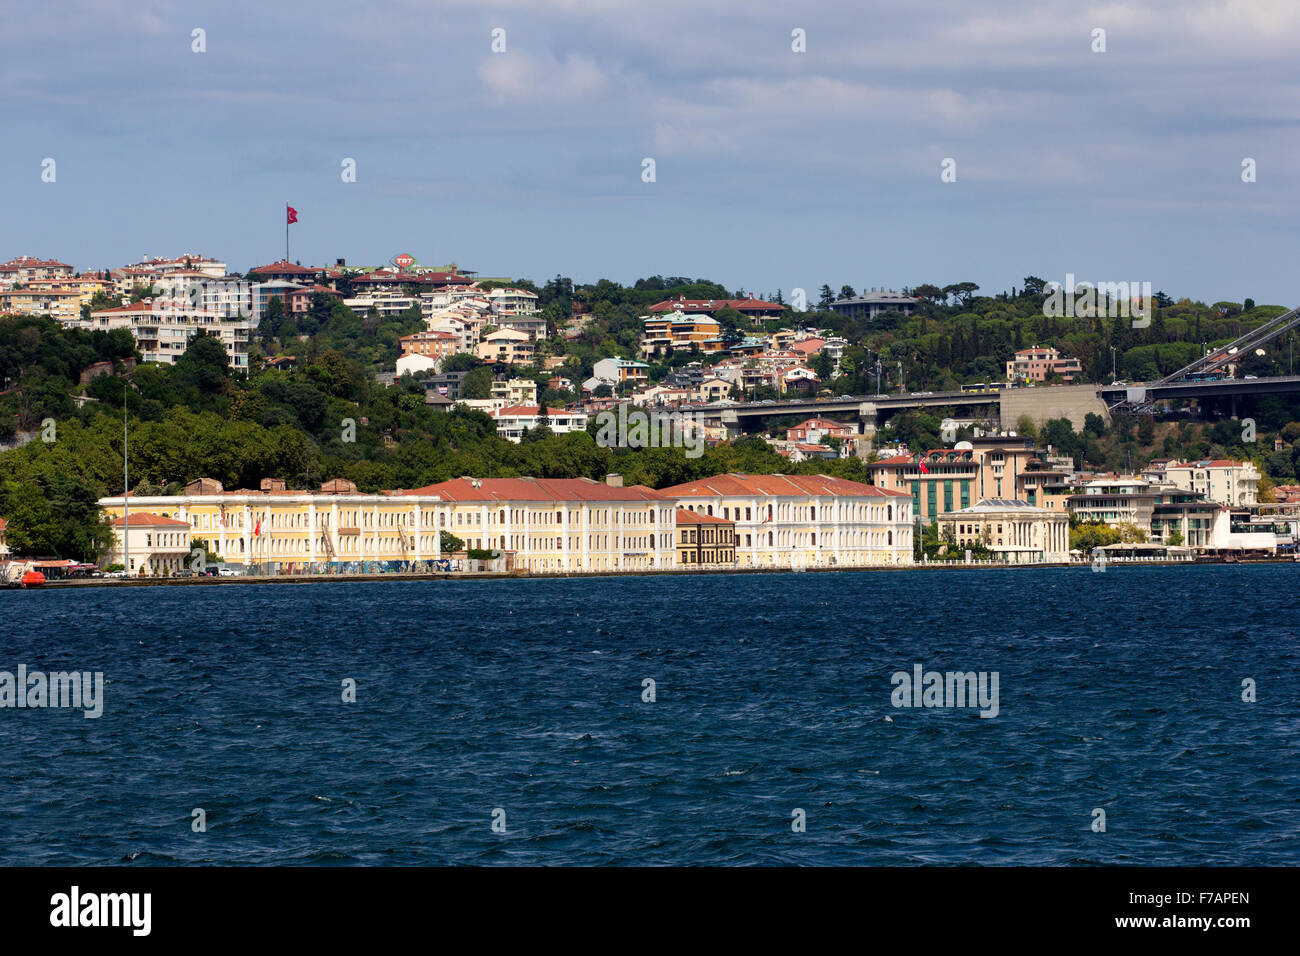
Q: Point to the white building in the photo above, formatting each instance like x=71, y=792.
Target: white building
x=1223, y=480
x=512, y=420
x=805, y=521
x=1017, y=531
x=163, y=333
x=157, y=545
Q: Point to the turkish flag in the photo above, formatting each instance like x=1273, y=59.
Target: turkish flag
x=293, y=214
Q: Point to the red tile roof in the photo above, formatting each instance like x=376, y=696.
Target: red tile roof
x=713, y=305
x=525, y=410
x=534, y=489
x=284, y=267
x=412, y=278
x=734, y=485
x=686, y=516
x=146, y=519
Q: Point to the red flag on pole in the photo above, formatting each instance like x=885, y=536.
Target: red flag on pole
x=292, y=215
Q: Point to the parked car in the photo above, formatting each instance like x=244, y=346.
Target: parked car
x=227, y=573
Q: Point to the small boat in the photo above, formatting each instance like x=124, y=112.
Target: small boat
x=31, y=579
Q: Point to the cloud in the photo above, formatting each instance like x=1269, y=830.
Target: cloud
x=519, y=77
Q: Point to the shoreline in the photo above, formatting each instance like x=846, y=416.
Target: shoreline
x=538, y=575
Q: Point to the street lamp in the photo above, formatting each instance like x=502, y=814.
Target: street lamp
x=126, y=483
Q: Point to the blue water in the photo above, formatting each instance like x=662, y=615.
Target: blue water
x=1119, y=691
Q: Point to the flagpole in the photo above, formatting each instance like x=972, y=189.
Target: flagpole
x=286, y=232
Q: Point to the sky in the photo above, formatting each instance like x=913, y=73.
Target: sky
x=773, y=168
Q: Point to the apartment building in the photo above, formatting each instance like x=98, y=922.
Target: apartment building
x=1018, y=532
x=29, y=269
x=617, y=371
x=1115, y=501
x=704, y=541
x=163, y=333
x=805, y=521
x=814, y=431
x=4, y=547
x=1228, y=482
x=210, y=268
x=664, y=334
x=435, y=345
x=506, y=346
x=513, y=420
x=515, y=391
x=193, y=289
x=1038, y=363
x=61, y=304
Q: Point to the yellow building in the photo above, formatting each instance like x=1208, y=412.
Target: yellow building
x=539, y=524
x=664, y=334
x=507, y=346
x=62, y=305
x=805, y=521
x=569, y=524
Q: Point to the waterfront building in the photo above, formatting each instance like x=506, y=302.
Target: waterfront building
x=942, y=480
x=1018, y=532
x=280, y=530
x=1115, y=501
x=538, y=524
x=805, y=521
x=158, y=545
x=559, y=524
x=704, y=540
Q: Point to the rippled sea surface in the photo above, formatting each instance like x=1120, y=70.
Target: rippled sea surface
x=1119, y=691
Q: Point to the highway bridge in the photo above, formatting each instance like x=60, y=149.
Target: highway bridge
x=1004, y=406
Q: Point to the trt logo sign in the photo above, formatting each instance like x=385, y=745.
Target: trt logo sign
x=403, y=261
